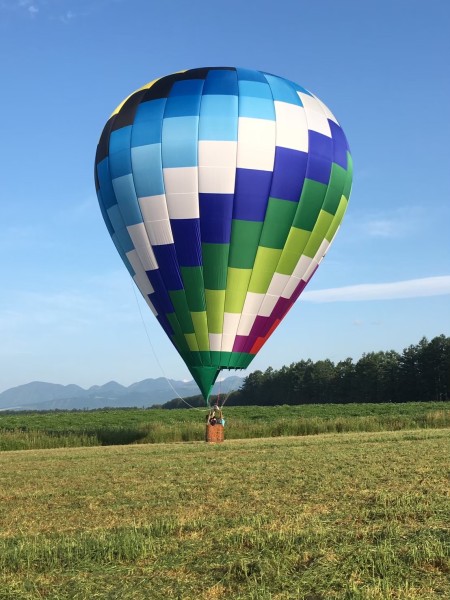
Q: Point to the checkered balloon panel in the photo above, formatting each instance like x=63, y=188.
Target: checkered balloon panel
x=222, y=190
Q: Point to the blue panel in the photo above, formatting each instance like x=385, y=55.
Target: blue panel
x=120, y=139
x=256, y=108
x=124, y=240
x=120, y=163
x=104, y=212
x=289, y=174
x=221, y=82
x=340, y=145
x=179, y=142
x=146, y=132
x=216, y=212
x=318, y=169
x=161, y=294
x=147, y=170
x=251, y=194
x=187, y=87
x=122, y=255
x=219, y=118
x=320, y=145
x=182, y=106
x=127, y=199
x=104, y=179
x=256, y=89
x=282, y=90
x=186, y=234
x=115, y=217
x=298, y=88
x=250, y=75
x=151, y=110
x=169, y=277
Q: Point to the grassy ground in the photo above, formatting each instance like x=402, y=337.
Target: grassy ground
x=352, y=516
x=21, y=431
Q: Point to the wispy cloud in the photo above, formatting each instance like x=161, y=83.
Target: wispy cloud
x=393, y=224
x=411, y=288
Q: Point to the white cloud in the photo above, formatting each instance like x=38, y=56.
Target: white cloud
x=412, y=288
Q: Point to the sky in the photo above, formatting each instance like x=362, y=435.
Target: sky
x=68, y=309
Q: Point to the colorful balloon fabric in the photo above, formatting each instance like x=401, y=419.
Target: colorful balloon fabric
x=222, y=189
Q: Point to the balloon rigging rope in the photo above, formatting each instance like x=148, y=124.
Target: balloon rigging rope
x=156, y=356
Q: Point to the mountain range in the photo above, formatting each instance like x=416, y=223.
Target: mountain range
x=39, y=395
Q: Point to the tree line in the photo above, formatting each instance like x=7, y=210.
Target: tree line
x=420, y=373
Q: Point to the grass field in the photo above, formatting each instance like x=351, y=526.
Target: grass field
x=21, y=431
x=349, y=516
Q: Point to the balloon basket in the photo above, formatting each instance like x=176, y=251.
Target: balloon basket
x=214, y=433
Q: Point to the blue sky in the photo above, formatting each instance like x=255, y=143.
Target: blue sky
x=68, y=311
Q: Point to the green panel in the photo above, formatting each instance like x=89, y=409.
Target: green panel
x=335, y=187
x=265, y=264
x=182, y=312
x=318, y=235
x=215, y=265
x=277, y=223
x=200, y=322
x=337, y=219
x=237, y=286
x=215, y=301
x=348, y=183
x=311, y=202
x=293, y=249
x=194, y=288
x=244, y=243
x=191, y=341
x=244, y=360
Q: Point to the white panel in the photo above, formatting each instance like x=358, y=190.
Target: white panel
x=181, y=180
x=292, y=129
x=227, y=342
x=323, y=248
x=217, y=154
x=216, y=180
x=315, y=117
x=159, y=232
x=252, y=303
x=327, y=111
x=231, y=323
x=144, y=285
x=245, y=324
x=310, y=270
x=154, y=208
x=278, y=283
x=302, y=266
x=256, y=144
x=268, y=305
x=139, y=237
x=183, y=206
x=290, y=288
x=215, y=341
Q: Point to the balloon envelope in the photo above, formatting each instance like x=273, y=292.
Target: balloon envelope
x=222, y=189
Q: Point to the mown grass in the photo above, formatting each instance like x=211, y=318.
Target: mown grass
x=20, y=431
x=350, y=516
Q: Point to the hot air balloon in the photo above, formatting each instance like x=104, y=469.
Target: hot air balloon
x=222, y=189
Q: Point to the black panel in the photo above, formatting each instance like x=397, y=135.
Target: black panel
x=103, y=144
x=126, y=114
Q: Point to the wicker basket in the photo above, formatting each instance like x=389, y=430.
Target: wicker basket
x=214, y=433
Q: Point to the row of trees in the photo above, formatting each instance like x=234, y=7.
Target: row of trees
x=419, y=373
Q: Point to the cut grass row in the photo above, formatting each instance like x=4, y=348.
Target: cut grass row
x=351, y=516
x=118, y=427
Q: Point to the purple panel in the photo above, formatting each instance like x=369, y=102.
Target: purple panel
x=281, y=308
x=251, y=194
x=288, y=174
x=340, y=145
x=240, y=343
x=216, y=211
x=319, y=169
x=320, y=145
x=261, y=326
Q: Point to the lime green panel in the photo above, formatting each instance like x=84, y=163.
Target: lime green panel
x=191, y=341
x=293, y=249
x=194, y=287
x=215, y=264
x=200, y=322
x=335, y=187
x=244, y=243
x=337, y=219
x=237, y=286
x=319, y=232
x=215, y=302
x=277, y=223
x=182, y=312
x=311, y=202
x=265, y=264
